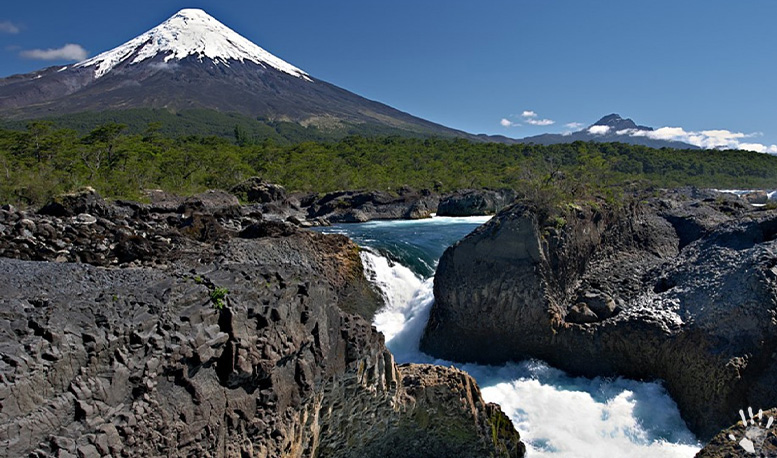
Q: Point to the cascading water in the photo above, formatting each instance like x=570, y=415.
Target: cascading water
x=556, y=414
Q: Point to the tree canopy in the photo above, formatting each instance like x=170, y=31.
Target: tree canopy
x=41, y=160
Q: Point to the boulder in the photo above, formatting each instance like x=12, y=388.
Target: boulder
x=449, y=408
x=756, y=197
x=256, y=190
x=161, y=201
x=215, y=202
x=670, y=287
x=86, y=200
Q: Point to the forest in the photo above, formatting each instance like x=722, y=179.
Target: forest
x=41, y=160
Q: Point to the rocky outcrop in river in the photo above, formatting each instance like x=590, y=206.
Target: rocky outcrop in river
x=361, y=206
x=406, y=203
x=475, y=202
x=198, y=328
x=680, y=287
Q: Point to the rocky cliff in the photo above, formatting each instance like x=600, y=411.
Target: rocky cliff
x=197, y=328
x=475, y=202
x=361, y=206
x=680, y=287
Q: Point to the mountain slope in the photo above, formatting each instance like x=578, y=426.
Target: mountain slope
x=610, y=128
x=192, y=61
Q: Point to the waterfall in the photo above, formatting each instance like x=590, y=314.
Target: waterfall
x=556, y=414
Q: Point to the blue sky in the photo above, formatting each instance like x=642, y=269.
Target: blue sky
x=706, y=68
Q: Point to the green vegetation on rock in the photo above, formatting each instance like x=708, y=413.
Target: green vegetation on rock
x=219, y=296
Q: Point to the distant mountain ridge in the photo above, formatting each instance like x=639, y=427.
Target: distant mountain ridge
x=616, y=123
x=192, y=61
x=610, y=128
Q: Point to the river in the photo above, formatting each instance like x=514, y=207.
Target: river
x=557, y=415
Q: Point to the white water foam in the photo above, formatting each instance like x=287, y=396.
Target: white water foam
x=558, y=416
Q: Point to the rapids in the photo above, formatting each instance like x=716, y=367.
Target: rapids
x=557, y=415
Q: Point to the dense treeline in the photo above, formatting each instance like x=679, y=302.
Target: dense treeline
x=41, y=161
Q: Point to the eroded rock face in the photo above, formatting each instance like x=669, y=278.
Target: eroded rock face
x=357, y=207
x=676, y=288
x=443, y=403
x=475, y=202
x=256, y=190
x=182, y=338
x=73, y=204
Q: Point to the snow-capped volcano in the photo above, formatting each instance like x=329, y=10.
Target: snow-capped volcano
x=189, y=32
x=191, y=61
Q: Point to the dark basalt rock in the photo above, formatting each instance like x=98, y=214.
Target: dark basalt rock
x=203, y=227
x=256, y=190
x=475, y=202
x=217, y=203
x=750, y=440
x=84, y=201
x=671, y=287
x=361, y=206
x=756, y=197
x=267, y=229
x=119, y=348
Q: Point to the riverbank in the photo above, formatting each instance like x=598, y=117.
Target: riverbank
x=200, y=328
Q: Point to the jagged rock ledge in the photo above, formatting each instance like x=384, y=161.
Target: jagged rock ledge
x=406, y=203
x=680, y=287
x=196, y=328
x=755, y=437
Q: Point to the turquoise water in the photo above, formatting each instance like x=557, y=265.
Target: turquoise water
x=416, y=244
x=557, y=415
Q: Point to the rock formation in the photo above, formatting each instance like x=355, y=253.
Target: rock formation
x=139, y=332
x=681, y=287
x=757, y=438
x=475, y=202
x=358, y=207
x=406, y=203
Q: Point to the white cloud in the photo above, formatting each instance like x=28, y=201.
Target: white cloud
x=598, y=130
x=708, y=139
x=529, y=118
x=507, y=123
x=758, y=148
x=574, y=125
x=540, y=122
x=9, y=27
x=68, y=52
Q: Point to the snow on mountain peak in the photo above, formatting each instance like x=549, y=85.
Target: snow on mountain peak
x=189, y=32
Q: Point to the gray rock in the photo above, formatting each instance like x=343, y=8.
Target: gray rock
x=756, y=197
x=681, y=289
x=581, y=313
x=85, y=219
x=121, y=349
x=256, y=190
x=214, y=202
x=475, y=202
x=72, y=204
x=357, y=207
